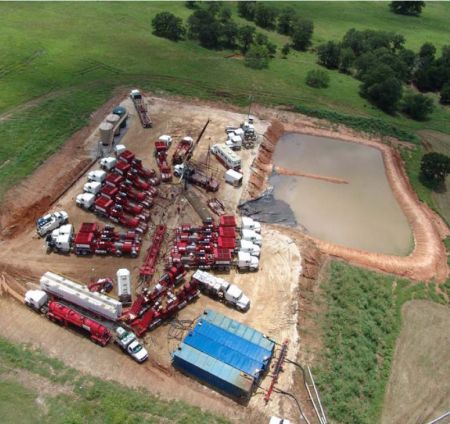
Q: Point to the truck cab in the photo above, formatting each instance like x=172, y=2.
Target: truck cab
x=85, y=200
x=252, y=236
x=250, y=224
x=247, y=262
x=166, y=139
x=93, y=187
x=108, y=163
x=129, y=343
x=250, y=247
x=51, y=221
x=98, y=175
x=237, y=298
x=36, y=299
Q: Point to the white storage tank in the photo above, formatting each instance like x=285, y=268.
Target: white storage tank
x=106, y=133
x=114, y=119
x=124, y=285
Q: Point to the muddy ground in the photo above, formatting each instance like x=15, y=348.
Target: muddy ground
x=274, y=290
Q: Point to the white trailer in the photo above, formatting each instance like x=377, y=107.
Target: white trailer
x=250, y=247
x=252, y=236
x=51, y=221
x=233, y=177
x=108, y=163
x=98, y=176
x=247, y=262
x=79, y=295
x=94, y=187
x=124, y=285
x=222, y=289
x=226, y=156
x=85, y=200
x=250, y=224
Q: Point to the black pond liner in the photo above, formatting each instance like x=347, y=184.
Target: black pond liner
x=267, y=208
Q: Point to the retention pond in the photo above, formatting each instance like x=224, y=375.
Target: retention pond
x=362, y=213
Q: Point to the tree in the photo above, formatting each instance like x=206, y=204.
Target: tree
x=263, y=40
x=409, y=8
x=417, y=106
x=301, y=34
x=285, y=50
x=204, y=27
x=434, y=168
x=257, y=57
x=445, y=94
x=265, y=15
x=426, y=55
x=346, y=59
x=191, y=4
x=246, y=10
x=408, y=57
x=228, y=34
x=167, y=25
x=328, y=54
x=245, y=36
x=382, y=88
x=317, y=78
x=286, y=20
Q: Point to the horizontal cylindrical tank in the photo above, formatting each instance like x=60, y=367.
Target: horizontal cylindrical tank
x=77, y=294
x=114, y=120
x=106, y=133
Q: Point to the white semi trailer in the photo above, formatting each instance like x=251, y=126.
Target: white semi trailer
x=79, y=295
x=219, y=288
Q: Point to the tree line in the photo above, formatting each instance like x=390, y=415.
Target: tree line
x=382, y=64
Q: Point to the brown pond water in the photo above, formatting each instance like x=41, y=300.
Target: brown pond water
x=362, y=214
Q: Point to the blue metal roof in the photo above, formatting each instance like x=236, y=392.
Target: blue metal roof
x=211, y=371
x=232, y=357
x=233, y=341
x=239, y=329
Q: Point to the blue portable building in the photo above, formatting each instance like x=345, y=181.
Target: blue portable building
x=238, y=328
x=232, y=341
x=217, y=374
x=225, y=356
x=230, y=356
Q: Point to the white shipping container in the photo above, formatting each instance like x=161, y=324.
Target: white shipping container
x=77, y=294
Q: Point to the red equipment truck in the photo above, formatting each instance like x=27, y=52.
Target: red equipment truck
x=114, y=179
x=107, y=208
x=62, y=314
x=122, y=168
x=161, y=160
x=137, y=182
x=132, y=208
x=183, y=148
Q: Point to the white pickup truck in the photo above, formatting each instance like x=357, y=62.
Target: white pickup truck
x=50, y=222
x=129, y=343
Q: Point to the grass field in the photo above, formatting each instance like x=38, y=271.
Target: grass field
x=68, y=51
x=49, y=392
x=360, y=327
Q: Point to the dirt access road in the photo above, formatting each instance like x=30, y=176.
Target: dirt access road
x=273, y=290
